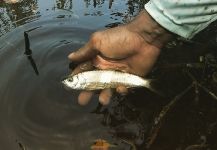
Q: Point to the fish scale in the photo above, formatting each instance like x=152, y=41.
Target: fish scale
x=102, y=79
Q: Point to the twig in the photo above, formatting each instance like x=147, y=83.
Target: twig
x=196, y=147
x=161, y=117
x=208, y=91
x=201, y=86
x=184, y=65
x=28, y=53
x=133, y=146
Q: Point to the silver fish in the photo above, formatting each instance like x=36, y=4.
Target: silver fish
x=102, y=79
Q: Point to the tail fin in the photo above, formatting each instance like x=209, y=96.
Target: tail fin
x=152, y=86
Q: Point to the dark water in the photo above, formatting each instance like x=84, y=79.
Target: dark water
x=37, y=113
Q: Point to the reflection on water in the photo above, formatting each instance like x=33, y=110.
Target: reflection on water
x=36, y=110
x=37, y=113
x=16, y=14
x=64, y=4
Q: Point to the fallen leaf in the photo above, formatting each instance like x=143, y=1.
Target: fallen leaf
x=101, y=144
x=12, y=1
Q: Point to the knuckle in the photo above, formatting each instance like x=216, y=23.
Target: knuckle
x=95, y=39
x=96, y=35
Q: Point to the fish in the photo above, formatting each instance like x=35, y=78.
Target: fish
x=104, y=79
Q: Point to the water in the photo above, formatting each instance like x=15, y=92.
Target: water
x=37, y=113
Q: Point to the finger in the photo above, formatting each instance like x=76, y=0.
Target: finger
x=86, y=66
x=84, y=97
x=102, y=63
x=83, y=54
x=122, y=90
x=105, y=96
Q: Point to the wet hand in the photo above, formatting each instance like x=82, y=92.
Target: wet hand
x=125, y=48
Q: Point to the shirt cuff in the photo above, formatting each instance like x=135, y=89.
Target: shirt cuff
x=169, y=20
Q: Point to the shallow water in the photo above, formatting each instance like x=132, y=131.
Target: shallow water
x=37, y=113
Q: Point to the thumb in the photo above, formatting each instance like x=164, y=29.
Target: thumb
x=83, y=54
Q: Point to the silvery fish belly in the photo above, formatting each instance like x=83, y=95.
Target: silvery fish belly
x=102, y=79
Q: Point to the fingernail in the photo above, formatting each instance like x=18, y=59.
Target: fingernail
x=71, y=55
x=121, y=92
x=104, y=101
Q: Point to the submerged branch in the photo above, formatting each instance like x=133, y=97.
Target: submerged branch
x=162, y=115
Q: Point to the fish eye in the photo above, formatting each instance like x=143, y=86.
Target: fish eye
x=70, y=79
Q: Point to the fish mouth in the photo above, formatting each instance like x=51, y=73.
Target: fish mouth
x=64, y=78
x=65, y=85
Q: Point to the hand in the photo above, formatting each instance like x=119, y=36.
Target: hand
x=131, y=48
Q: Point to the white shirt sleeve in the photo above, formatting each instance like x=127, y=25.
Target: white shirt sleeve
x=183, y=17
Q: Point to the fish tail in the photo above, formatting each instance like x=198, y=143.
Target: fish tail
x=150, y=84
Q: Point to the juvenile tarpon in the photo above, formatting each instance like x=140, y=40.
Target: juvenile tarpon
x=103, y=79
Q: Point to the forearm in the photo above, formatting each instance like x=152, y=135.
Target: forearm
x=184, y=17
x=149, y=29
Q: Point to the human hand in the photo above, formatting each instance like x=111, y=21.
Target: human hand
x=129, y=48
